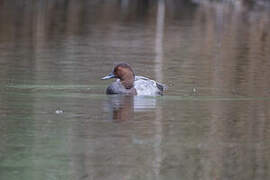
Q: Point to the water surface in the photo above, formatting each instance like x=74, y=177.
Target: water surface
x=57, y=123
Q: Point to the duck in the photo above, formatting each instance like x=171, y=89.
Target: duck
x=128, y=83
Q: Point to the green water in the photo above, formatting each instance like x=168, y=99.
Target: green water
x=57, y=123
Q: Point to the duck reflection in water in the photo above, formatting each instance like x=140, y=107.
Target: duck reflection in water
x=123, y=107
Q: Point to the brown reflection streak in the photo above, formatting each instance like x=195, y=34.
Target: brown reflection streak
x=125, y=110
x=229, y=126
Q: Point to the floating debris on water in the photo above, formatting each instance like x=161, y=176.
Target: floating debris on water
x=58, y=111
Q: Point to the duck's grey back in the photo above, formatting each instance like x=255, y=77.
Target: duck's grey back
x=147, y=87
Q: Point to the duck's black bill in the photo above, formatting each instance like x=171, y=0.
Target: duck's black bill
x=109, y=76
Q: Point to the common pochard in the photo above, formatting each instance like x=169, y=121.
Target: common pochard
x=128, y=83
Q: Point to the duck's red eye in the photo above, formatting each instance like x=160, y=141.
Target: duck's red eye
x=116, y=72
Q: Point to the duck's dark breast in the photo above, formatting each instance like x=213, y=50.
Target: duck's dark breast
x=118, y=88
x=114, y=88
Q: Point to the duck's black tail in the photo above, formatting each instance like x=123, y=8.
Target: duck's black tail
x=161, y=87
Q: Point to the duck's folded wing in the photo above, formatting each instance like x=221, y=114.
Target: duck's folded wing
x=160, y=86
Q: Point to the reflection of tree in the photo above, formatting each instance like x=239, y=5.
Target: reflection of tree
x=234, y=66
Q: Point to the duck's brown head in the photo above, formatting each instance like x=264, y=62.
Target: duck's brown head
x=123, y=72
